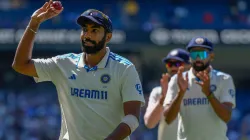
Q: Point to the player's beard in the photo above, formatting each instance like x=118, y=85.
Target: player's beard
x=200, y=68
x=93, y=49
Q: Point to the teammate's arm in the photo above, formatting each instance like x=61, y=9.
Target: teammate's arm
x=155, y=106
x=222, y=107
x=153, y=113
x=131, y=109
x=173, y=106
x=223, y=110
x=171, y=110
x=22, y=61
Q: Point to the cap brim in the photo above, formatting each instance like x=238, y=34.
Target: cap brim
x=82, y=19
x=202, y=46
x=166, y=59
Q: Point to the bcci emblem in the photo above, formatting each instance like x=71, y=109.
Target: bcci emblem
x=138, y=88
x=174, y=52
x=199, y=40
x=213, y=88
x=231, y=92
x=105, y=78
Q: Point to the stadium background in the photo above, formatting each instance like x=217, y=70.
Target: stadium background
x=145, y=31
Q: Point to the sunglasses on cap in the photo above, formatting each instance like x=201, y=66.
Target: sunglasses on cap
x=176, y=64
x=201, y=54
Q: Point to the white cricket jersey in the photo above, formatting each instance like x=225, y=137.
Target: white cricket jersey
x=91, y=99
x=198, y=120
x=165, y=131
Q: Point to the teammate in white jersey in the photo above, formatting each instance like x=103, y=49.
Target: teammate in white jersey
x=154, y=112
x=203, y=97
x=99, y=92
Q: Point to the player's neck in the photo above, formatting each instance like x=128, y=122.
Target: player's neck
x=93, y=59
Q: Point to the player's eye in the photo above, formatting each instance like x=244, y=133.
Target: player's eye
x=84, y=29
x=95, y=30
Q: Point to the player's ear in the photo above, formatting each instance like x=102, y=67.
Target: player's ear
x=82, y=36
x=211, y=55
x=108, y=37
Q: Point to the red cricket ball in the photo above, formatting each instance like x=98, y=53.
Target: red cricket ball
x=57, y=5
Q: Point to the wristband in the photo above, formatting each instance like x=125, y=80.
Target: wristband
x=210, y=96
x=31, y=29
x=131, y=121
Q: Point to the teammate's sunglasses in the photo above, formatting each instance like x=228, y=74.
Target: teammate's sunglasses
x=201, y=54
x=176, y=64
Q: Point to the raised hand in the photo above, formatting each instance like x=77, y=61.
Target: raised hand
x=164, y=84
x=182, y=83
x=164, y=87
x=46, y=12
x=205, y=81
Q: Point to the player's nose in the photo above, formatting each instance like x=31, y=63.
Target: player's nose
x=174, y=70
x=85, y=35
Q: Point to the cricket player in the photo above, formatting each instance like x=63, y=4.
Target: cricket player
x=100, y=93
x=203, y=96
x=154, y=112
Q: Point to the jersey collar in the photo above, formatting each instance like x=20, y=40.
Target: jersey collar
x=102, y=64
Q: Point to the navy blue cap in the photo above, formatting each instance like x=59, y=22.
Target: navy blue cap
x=97, y=17
x=200, y=42
x=177, y=54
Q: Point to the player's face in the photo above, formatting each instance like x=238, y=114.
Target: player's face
x=93, y=38
x=172, y=66
x=200, y=58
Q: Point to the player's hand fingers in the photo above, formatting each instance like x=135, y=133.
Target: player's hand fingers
x=206, y=75
x=49, y=4
x=203, y=77
x=181, y=69
x=166, y=77
x=45, y=5
x=199, y=83
x=52, y=12
x=164, y=80
x=199, y=75
x=179, y=73
x=187, y=76
x=161, y=81
x=206, y=71
x=164, y=84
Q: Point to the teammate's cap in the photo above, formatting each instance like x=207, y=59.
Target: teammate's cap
x=177, y=54
x=96, y=16
x=200, y=42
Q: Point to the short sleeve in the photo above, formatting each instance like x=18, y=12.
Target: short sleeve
x=45, y=68
x=228, y=90
x=154, y=96
x=172, y=90
x=131, y=89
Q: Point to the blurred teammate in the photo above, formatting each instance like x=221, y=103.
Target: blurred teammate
x=203, y=97
x=99, y=91
x=154, y=112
